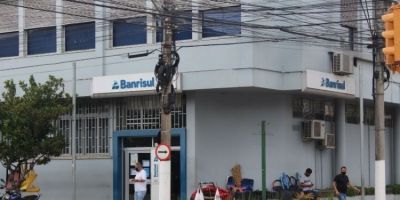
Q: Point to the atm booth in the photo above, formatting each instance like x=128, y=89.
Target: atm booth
x=131, y=146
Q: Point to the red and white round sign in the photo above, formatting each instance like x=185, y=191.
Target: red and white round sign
x=163, y=152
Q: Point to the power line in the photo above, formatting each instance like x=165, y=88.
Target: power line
x=293, y=32
x=83, y=16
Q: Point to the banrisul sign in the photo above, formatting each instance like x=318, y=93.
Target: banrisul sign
x=335, y=84
x=129, y=84
x=124, y=85
x=328, y=83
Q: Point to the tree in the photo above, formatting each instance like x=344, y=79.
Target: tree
x=27, y=122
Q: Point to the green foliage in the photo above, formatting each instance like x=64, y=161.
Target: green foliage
x=369, y=191
x=351, y=192
x=28, y=134
x=393, y=189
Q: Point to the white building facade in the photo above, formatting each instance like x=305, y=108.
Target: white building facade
x=235, y=72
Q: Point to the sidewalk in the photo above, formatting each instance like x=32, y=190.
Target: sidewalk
x=388, y=197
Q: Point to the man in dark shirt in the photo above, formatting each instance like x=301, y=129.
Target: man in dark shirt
x=340, y=184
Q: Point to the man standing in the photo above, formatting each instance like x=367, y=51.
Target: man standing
x=340, y=184
x=140, y=182
x=307, y=185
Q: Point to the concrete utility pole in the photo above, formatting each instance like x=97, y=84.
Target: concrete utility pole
x=165, y=166
x=380, y=177
x=360, y=83
x=73, y=132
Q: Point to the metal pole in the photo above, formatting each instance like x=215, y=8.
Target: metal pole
x=165, y=166
x=73, y=140
x=361, y=132
x=263, y=163
x=380, y=177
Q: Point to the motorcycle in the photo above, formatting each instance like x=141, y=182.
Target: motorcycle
x=16, y=194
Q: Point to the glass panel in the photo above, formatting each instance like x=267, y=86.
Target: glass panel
x=222, y=21
x=134, y=157
x=138, y=142
x=129, y=31
x=42, y=40
x=9, y=44
x=80, y=36
x=183, y=23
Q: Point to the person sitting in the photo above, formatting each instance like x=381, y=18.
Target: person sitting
x=307, y=185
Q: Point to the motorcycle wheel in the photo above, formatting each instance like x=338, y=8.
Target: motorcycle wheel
x=30, y=197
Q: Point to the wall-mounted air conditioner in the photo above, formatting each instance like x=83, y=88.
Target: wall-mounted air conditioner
x=329, y=141
x=342, y=64
x=328, y=111
x=313, y=129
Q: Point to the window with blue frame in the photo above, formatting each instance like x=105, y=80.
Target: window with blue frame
x=129, y=31
x=9, y=44
x=42, y=40
x=80, y=36
x=221, y=22
x=183, y=29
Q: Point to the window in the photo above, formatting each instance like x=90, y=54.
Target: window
x=348, y=15
x=129, y=31
x=183, y=26
x=369, y=114
x=159, y=30
x=349, y=21
x=9, y=44
x=352, y=110
x=352, y=38
x=92, y=128
x=353, y=114
x=42, y=40
x=222, y=21
x=137, y=113
x=312, y=108
x=80, y=36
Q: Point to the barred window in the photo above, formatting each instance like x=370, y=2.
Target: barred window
x=349, y=21
x=352, y=110
x=312, y=108
x=92, y=128
x=144, y=113
x=349, y=13
x=389, y=117
x=369, y=115
x=94, y=121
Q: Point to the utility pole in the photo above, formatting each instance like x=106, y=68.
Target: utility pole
x=360, y=83
x=73, y=132
x=379, y=69
x=167, y=47
x=263, y=163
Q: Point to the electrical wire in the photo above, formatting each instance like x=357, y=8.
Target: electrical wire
x=285, y=30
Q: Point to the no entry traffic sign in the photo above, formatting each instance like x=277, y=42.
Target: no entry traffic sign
x=163, y=152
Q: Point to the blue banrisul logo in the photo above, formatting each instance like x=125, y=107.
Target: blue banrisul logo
x=125, y=84
x=325, y=82
x=115, y=85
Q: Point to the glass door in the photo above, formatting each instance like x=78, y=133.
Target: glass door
x=141, y=155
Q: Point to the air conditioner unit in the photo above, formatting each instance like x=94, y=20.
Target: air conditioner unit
x=329, y=110
x=329, y=141
x=313, y=129
x=342, y=64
